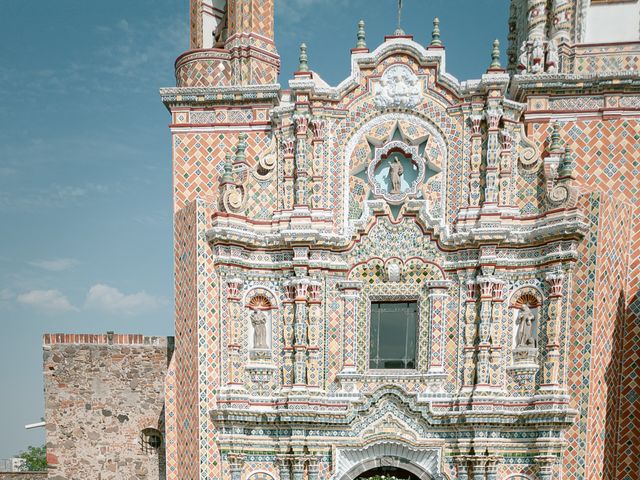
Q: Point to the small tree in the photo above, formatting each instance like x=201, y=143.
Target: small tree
x=35, y=459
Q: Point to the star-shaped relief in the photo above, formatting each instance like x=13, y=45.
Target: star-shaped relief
x=397, y=166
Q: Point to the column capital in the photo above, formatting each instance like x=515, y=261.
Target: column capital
x=438, y=286
x=233, y=288
x=350, y=287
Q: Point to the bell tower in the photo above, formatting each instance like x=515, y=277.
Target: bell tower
x=231, y=44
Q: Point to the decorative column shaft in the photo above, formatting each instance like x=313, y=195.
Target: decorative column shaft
x=551, y=372
x=475, y=160
x=314, y=469
x=545, y=467
x=350, y=296
x=470, y=332
x=234, y=332
x=284, y=467
x=297, y=469
x=536, y=19
x=486, y=300
x=289, y=146
x=301, y=174
x=236, y=462
x=314, y=372
x=497, y=372
x=493, y=115
x=437, y=319
x=319, y=191
x=506, y=179
x=463, y=471
x=560, y=21
x=300, y=329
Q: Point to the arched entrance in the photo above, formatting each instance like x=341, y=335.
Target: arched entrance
x=382, y=473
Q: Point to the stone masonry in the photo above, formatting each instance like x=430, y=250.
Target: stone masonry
x=101, y=392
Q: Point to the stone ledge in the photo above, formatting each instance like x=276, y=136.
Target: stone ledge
x=108, y=338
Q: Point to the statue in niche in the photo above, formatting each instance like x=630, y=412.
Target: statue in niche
x=259, y=323
x=395, y=176
x=526, y=338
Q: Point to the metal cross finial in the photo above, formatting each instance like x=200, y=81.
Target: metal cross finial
x=399, y=30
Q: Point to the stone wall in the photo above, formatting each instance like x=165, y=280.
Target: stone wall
x=23, y=475
x=101, y=392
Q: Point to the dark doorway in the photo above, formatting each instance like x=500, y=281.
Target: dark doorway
x=387, y=472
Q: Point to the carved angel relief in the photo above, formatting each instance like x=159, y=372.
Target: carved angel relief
x=399, y=87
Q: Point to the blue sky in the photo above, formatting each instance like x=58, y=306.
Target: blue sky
x=85, y=161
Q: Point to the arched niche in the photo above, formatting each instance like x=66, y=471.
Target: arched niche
x=259, y=308
x=527, y=304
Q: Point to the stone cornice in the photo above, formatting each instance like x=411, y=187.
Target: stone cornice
x=584, y=84
x=199, y=96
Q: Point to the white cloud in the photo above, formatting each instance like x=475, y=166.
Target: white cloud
x=56, y=264
x=110, y=299
x=51, y=301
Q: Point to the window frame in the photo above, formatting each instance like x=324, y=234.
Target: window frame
x=376, y=299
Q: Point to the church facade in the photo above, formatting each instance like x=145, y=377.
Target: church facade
x=403, y=275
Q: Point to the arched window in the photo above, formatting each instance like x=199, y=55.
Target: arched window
x=150, y=440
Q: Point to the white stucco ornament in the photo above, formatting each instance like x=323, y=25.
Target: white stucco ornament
x=399, y=87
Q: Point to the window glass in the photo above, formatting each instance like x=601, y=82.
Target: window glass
x=393, y=330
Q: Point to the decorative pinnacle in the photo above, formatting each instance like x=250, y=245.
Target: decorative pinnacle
x=399, y=30
x=567, y=166
x=556, y=141
x=304, y=60
x=362, y=43
x=495, y=55
x=435, y=34
x=241, y=148
x=227, y=176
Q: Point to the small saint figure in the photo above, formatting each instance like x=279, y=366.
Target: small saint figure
x=395, y=176
x=526, y=336
x=259, y=323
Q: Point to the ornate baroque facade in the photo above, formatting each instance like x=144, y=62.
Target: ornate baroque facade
x=502, y=210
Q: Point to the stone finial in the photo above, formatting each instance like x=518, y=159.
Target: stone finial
x=241, y=148
x=435, y=34
x=495, y=55
x=362, y=43
x=556, y=142
x=303, y=65
x=567, y=165
x=227, y=176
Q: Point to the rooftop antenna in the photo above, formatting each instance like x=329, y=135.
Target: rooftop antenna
x=399, y=30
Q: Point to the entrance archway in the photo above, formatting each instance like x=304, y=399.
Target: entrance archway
x=421, y=463
x=387, y=473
